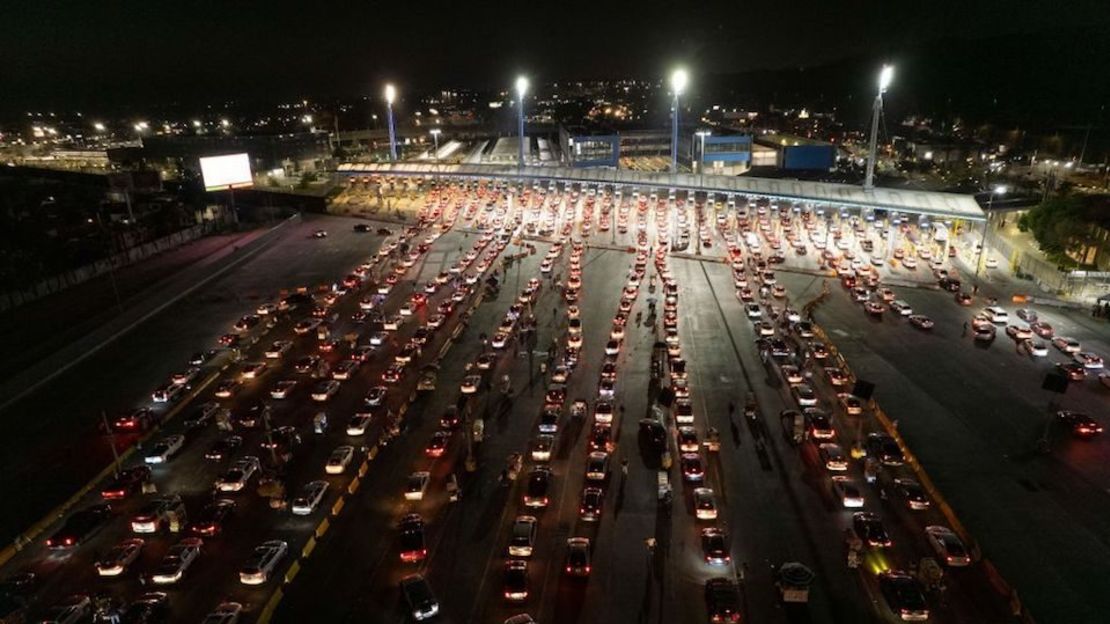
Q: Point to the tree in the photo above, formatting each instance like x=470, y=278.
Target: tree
x=1068, y=226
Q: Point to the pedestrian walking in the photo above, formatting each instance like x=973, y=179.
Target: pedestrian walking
x=624, y=468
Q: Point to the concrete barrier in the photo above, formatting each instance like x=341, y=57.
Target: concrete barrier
x=322, y=528
x=338, y=506
x=271, y=605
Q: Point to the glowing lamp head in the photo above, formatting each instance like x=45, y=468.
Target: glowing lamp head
x=521, y=86
x=885, y=77
x=679, y=78
x=390, y=94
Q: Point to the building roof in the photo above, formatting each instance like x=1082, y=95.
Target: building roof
x=931, y=203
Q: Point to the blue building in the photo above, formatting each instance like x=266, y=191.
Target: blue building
x=796, y=153
x=724, y=155
x=583, y=148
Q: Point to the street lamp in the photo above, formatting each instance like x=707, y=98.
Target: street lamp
x=99, y=127
x=435, y=138
x=521, y=89
x=885, y=78
x=998, y=190
x=390, y=95
x=679, y=79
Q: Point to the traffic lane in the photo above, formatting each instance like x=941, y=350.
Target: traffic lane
x=768, y=535
x=292, y=607
x=1002, y=496
x=54, y=460
x=183, y=488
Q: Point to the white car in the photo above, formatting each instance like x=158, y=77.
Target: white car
x=803, y=394
x=278, y=349
x=1067, y=345
x=240, y=473
x=377, y=339
x=263, y=562
x=282, y=389
x=165, y=449
x=358, y=424
x=948, y=546
x=167, y=392
x=1036, y=348
x=253, y=370
x=996, y=314
x=120, y=557
x=832, y=457
x=470, y=384
x=901, y=307
x=541, y=447
x=753, y=311
x=417, y=484
x=177, y=561
x=310, y=498
x=325, y=390
x=705, y=506
x=339, y=459
x=846, y=493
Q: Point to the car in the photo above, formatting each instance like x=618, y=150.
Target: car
x=278, y=348
x=832, y=457
x=715, y=547
x=549, y=420
x=239, y=475
x=613, y=347
x=996, y=315
x=70, y=610
x=126, y=482
x=692, y=468
x=984, y=333
x=307, y=325
x=470, y=384
x=1035, y=348
x=687, y=439
x=422, y=603
x=948, y=546
x=224, y=447
x=138, y=419
x=1074, y=372
x=282, y=389
x=252, y=370
x=164, y=449
x=375, y=396
x=722, y=600
x=846, y=493
x=542, y=446
x=345, y=369
x=516, y=580
x=852, y=404
x=148, y=608
x=210, y=521
x=753, y=311
x=683, y=410
x=339, y=459
x=263, y=562
x=1088, y=360
x=177, y=561
x=225, y=613
x=904, y=596
x=901, y=307
x=307, y=364
x=1081, y=425
x=963, y=298
x=311, y=496
x=324, y=390
x=705, y=505
x=412, y=540
x=911, y=492
x=522, y=536
x=1018, y=333
x=1042, y=329
x=167, y=392
x=1027, y=315
x=1066, y=345
x=536, y=490
x=417, y=484
x=157, y=514
x=921, y=321
x=803, y=394
x=819, y=424
x=577, y=560
x=358, y=424
x=437, y=445
x=869, y=528
x=320, y=234
x=120, y=557
x=601, y=437
x=885, y=449
x=874, y=308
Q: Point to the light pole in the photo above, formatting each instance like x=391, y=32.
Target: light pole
x=998, y=190
x=701, y=154
x=435, y=139
x=390, y=95
x=678, y=84
x=521, y=90
x=885, y=76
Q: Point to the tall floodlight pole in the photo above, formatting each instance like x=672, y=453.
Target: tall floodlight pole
x=390, y=95
x=435, y=138
x=998, y=190
x=521, y=90
x=885, y=76
x=678, y=83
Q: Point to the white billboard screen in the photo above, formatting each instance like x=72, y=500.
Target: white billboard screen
x=224, y=172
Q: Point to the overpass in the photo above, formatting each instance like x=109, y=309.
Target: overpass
x=942, y=206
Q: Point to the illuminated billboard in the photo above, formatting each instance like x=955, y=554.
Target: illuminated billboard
x=226, y=172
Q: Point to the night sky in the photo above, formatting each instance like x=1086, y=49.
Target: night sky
x=80, y=53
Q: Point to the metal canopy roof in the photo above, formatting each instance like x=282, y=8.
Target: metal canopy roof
x=933, y=204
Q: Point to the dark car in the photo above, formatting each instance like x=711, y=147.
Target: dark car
x=912, y=493
x=904, y=596
x=418, y=595
x=79, y=527
x=950, y=284
x=362, y=227
x=869, y=528
x=654, y=432
x=722, y=600
x=1081, y=425
x=126, y=482
x=714, y=546
x=412, y=541
x=538, y=483
x=224, y=447
x=210, y=521
x=202, y=357
x=150, y=608
x=885, y=449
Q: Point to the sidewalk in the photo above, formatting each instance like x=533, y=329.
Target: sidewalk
x=37, y=329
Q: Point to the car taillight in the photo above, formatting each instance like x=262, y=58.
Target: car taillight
x=568, y=567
